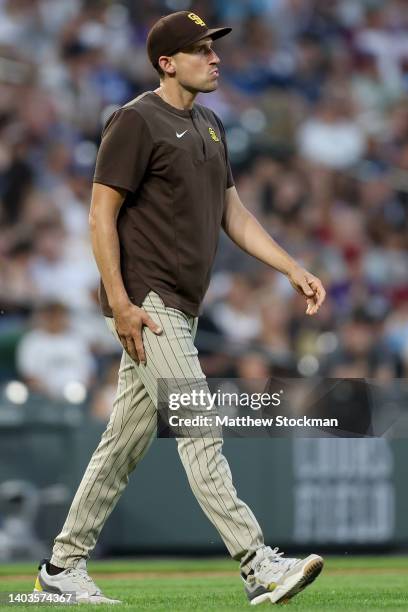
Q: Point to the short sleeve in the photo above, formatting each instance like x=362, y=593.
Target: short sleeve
x=124, y=152
x=230, y=178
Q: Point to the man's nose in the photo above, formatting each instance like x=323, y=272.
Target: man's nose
x=214, y=58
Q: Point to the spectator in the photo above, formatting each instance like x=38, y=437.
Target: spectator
x=313, y=94
x=332, y=137
x=57, y=276
x=238, y=317
x=361, y=353
x=50, y=356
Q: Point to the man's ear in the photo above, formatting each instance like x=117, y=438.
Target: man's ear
x=166, y=64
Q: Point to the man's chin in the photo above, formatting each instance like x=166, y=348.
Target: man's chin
x=209, y=87
x=206, y=87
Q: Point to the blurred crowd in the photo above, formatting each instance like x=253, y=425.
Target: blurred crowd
x=314, y=98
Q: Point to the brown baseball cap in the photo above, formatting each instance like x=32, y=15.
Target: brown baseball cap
x=177, y=31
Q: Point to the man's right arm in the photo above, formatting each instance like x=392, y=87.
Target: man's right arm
x=129, y=319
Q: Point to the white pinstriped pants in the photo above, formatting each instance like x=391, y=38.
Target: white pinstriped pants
x=130, y=431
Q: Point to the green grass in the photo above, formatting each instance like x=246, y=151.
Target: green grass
x=347, y=583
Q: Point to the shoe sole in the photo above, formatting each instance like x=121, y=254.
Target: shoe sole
x=97, y=601
x=294, y=584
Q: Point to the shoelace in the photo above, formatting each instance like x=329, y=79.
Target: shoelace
x=82, y=575
x=272, y=555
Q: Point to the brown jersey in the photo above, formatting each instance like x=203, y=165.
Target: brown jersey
x=174, y=165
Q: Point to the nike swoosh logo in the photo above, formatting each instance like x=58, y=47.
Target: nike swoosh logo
x=182, y=134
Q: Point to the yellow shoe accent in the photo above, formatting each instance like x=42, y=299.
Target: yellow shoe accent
x=272, y=586
x=37, y=586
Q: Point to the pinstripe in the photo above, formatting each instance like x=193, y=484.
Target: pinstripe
x=88, y=477
x=201, y=442
x=125, y=370
x=157, y=341
x=192, y=441
x=88, y=533
x=201, y=501
x=112, y=471
x=115, y=475
x=202, y=439
x=159, y=376
x=123, y=409
x=107, y=458
x=143, y=438
x=124, y=443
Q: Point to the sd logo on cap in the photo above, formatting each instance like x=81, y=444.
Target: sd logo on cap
x=197, y=19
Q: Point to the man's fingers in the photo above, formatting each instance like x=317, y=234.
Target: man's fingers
x=312, y=305
x=320, y=297
x=307, y=289
x=319, y=290
x=137, y=339
x=131, y=336
x=302, y=287
x=129, y=347
x=311, y=287
x=148, y=321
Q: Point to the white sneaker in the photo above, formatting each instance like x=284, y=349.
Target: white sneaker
x=73, y=580
x=276, y=579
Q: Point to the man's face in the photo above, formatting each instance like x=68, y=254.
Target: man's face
x=196, y=67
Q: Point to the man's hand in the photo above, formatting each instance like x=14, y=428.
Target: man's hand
x=308, y=285
x=242, y=227
x=129, y=321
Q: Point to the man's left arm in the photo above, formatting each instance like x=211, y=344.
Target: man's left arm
x=243, y=229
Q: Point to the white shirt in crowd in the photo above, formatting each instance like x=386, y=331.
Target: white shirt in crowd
x=55, y=360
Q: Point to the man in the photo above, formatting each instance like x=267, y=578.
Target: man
x=163, y=189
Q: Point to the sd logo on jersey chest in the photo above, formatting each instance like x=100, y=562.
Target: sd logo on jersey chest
x=213, y=134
